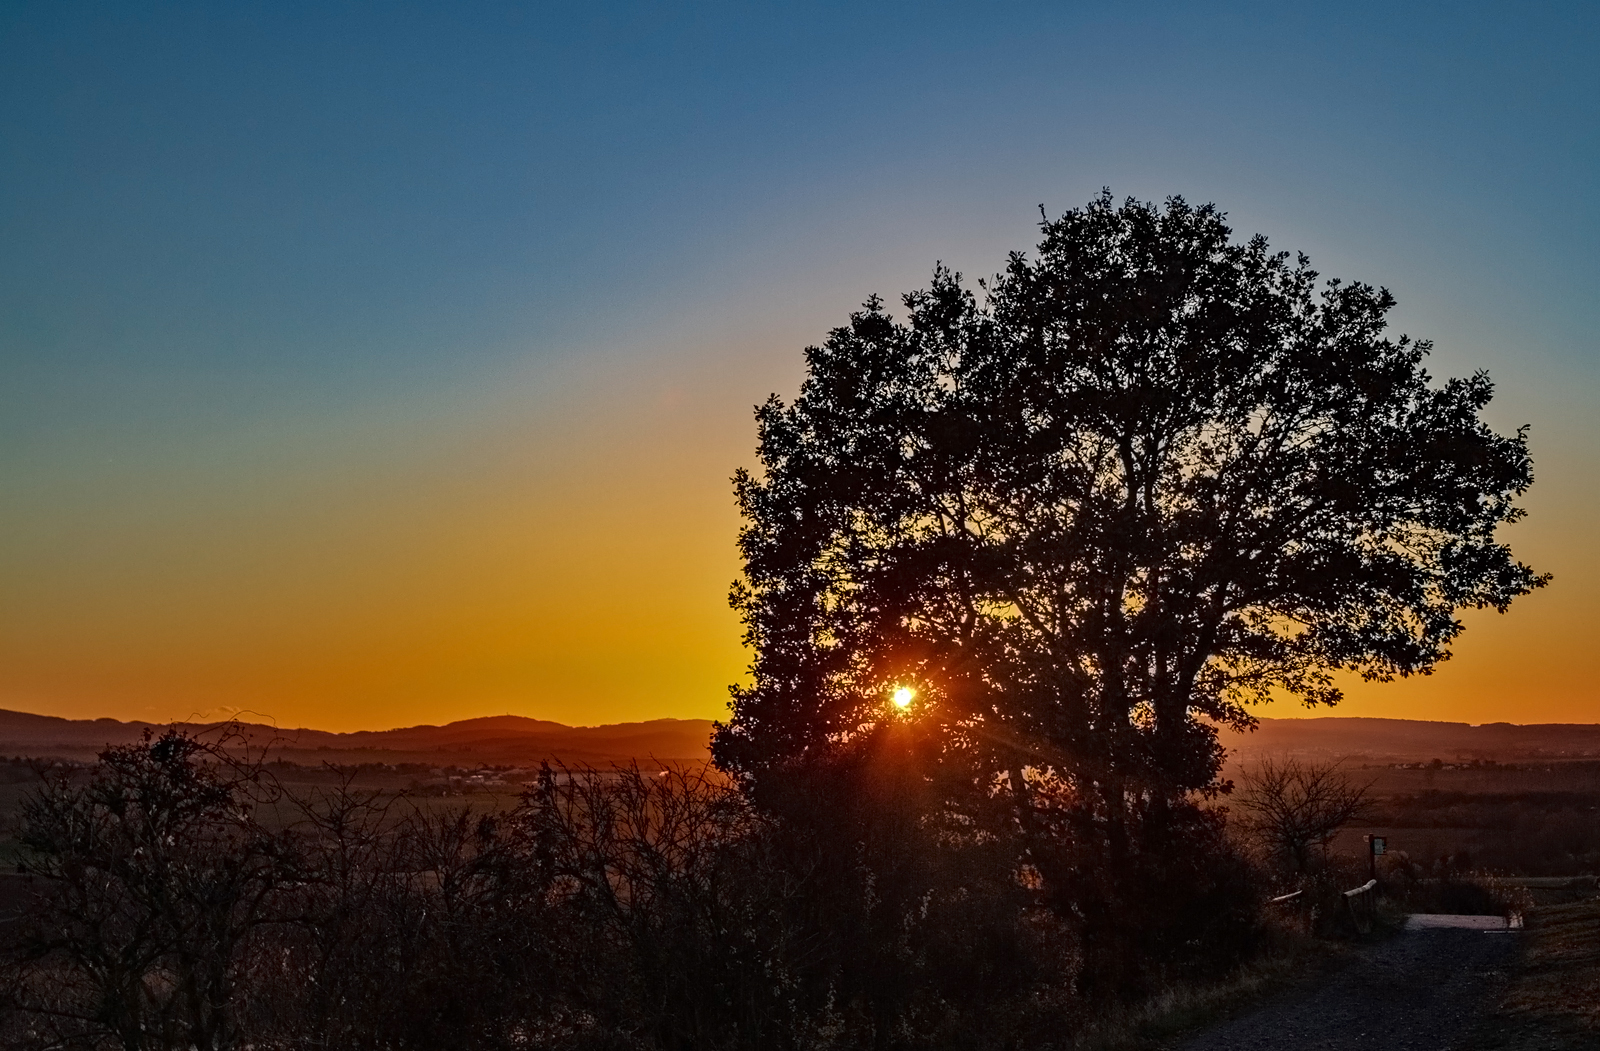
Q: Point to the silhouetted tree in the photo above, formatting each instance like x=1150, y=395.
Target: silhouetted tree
x=1293, y=807
x=1152, y=477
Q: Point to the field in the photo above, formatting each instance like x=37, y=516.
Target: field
x=1524, y=819
x=1536, y=818
x=406, y=787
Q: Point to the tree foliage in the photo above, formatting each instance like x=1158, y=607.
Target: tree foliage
x=1139, y=482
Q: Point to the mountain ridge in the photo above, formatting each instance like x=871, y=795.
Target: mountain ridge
x=500, y=739
x=519, y=740
x=1407, y=740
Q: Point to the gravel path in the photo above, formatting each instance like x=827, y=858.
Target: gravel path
x=1420, y=991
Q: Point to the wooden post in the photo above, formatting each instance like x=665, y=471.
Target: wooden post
x=1375, y=845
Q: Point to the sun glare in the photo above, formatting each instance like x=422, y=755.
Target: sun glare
x=903, y=695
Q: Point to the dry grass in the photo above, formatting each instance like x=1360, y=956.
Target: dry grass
x=1553, y=1000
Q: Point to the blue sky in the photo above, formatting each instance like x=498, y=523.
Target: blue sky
x=363, y=365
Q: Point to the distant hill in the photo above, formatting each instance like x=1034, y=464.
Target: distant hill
x=497, y=740
x=518, y=741
x=1414, y=740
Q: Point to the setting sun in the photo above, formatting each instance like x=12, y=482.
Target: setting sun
x=903, y=695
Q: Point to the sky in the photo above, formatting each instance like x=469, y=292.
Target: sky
x=371, y=365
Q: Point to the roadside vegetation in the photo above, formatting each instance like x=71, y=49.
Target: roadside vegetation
x=179, y=895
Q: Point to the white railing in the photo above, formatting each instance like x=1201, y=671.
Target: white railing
x=1363, y=905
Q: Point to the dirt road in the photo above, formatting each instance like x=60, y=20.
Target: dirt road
x=1420, y=991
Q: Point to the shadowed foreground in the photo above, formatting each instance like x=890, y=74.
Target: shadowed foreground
x=1423, y=990
x=1553, y=1002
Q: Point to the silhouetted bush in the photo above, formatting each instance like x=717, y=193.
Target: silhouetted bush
x=1476, y=895
x=608, y=910
x=157, y=888
x=1177, y=902
x=922, y=925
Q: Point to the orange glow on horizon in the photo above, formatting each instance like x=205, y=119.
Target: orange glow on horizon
x=570, y=564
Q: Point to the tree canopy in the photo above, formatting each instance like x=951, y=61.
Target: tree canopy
x=1103, y=504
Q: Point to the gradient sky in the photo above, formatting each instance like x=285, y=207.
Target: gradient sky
x=367, y=365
